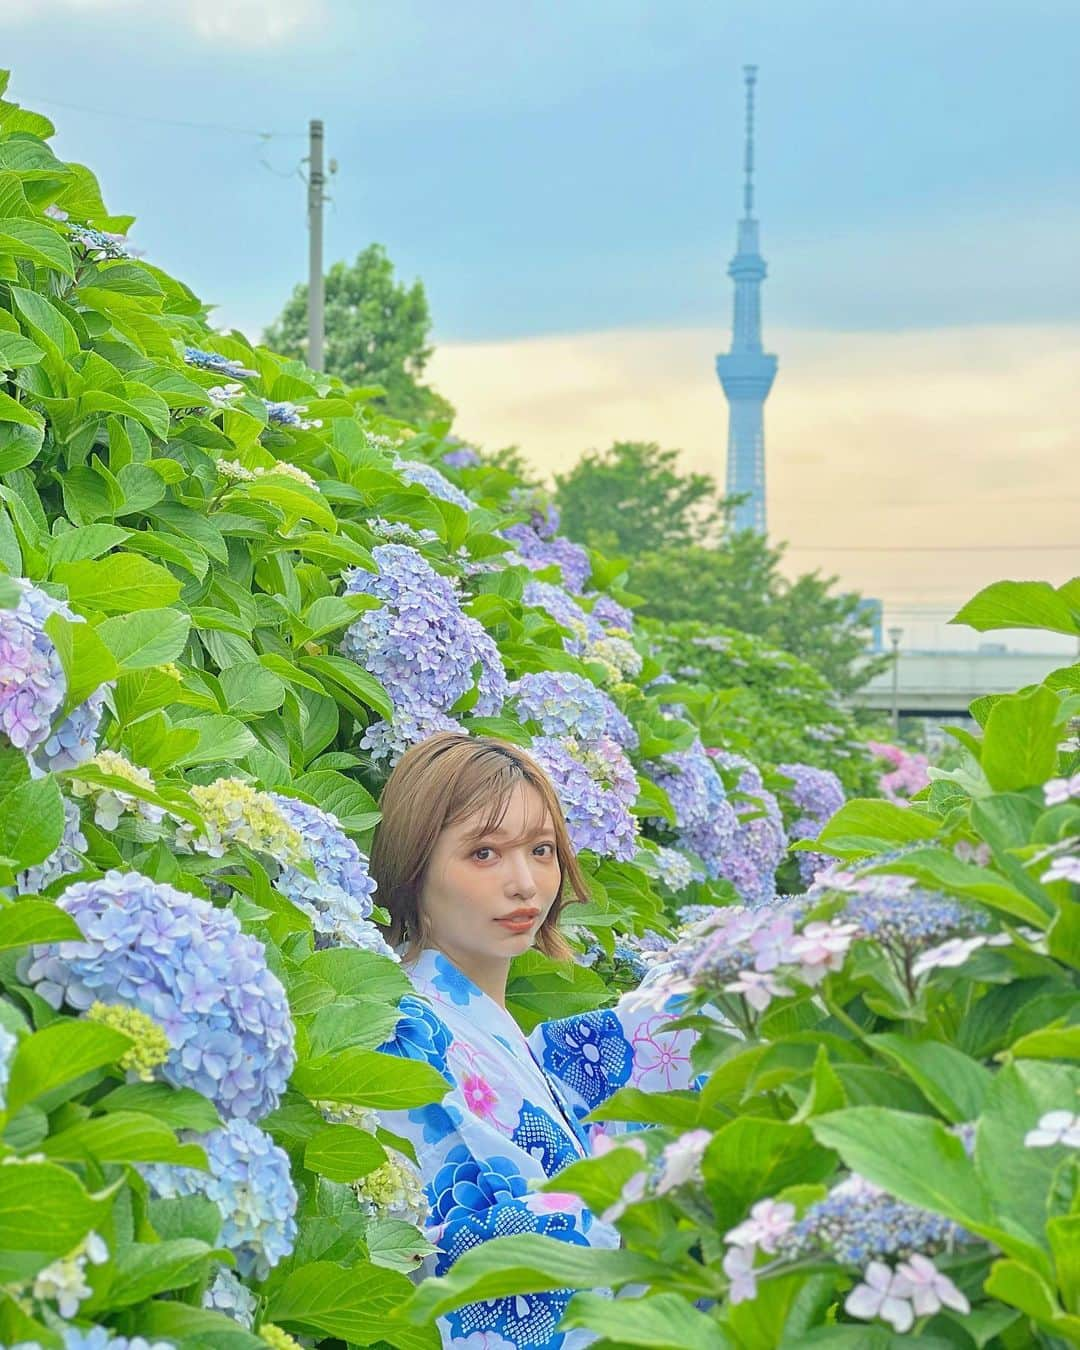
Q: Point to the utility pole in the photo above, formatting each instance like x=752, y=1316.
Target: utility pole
x=316, y=183
x=895, y=634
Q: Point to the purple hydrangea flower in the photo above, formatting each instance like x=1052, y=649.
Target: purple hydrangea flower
x=565, y=611
x=33, y=686
x=422, y=647
x=597, y=787
x=905, y=919
x=611, y=614
x=565, y=704
x=816, y=795
x=705, y=822
x=428, y=476
x=557, y=551
x=465, y=458
x=187, y=965
x=675, y=869
x=338, y=898
x=760, y=839
x=249, y=1180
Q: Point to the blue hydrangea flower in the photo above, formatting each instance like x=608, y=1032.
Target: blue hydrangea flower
x=189, y=967
x=428, y=476
x=227, y=1295
x=907, y=919
x=104, y=243
x=589, y=1052
x=33, y=685
x=858, y=1222
x=597, y=788
x=285, y=414
x=565, y=704
x=250, y=1182
x=216, y=364
x=705, y=822
x=338, y=898
x=675, y=869
x=421, y=646
x=99, y=1338
x=816, y=795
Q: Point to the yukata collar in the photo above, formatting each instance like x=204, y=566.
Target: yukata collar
x=434, y=973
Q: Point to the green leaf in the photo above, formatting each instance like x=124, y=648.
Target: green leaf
x=348, y=677
x=27, y=921
x=250, y=688
x=58, y=1054
x=1019, y=1285
x=41, y=243
x=86, y=661
x=354, y=806
x=750, y=1158
x=143, y=1269
x=349, y=971
x=17, y=351
x=355, y=1304
x=1053, y=1042
x=19, y=444
x=220, y=738
x=293, y=498
x=11, y=410
x=178, y=1108
x=31, y=822
x=529, y=1264
x=864, y=825
x=149, y=637
x=47, y=325
x=329, y=613
x=343, y=1153
x=44, y=1208
x=1020, y=740
x=118, y=584
x=1019, y=604
x=663, y=1321
x=954, y=1083
x=939, y=868
x=192, y=1328
x=87, y=541
x=396, y=1245
x=367, y=1078
x=122, y=1136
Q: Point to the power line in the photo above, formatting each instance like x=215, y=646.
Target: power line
x=934, y=548
x=173, y=121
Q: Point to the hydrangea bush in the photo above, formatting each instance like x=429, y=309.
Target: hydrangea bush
x=230, y=596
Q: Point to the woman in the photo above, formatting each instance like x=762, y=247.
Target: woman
x=474, y=863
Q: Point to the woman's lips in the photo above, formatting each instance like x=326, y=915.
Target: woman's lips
x=520, y=921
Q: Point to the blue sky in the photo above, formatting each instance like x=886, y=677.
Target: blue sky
x=548, y=166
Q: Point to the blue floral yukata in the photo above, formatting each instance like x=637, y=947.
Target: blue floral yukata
x=514, y=1117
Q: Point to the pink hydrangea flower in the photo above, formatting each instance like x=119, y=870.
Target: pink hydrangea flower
x=882, y=1294
x=738, y=1266
x=822, y=947
x=930, y=1289
x=759, y=989
x=769, y=1221
x=682, y=1159
x=954, y=952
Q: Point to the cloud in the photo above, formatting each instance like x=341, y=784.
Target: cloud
x=247, y=23
x=874, y=441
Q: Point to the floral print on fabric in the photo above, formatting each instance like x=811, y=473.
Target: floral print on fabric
x=510, y=1121
x=589, y=1053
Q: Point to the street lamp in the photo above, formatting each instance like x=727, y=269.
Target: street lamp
x=895, y=634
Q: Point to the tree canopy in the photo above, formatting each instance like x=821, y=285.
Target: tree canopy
x=377, y=332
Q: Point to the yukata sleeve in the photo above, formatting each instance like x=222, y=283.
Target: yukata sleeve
x=593, y=1054
x=476, y=1184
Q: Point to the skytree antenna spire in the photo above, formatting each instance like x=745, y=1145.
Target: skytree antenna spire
x=746, y=371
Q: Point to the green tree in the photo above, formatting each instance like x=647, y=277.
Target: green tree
x=377, y=332
x=633, y=498
x=738, y=584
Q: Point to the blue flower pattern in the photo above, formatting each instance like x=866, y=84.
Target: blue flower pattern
x=590, y=1053
x=481, y=1171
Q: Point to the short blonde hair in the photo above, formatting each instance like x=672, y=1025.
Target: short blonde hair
x=444, y=780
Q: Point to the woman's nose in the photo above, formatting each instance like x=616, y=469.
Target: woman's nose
x=521, y=881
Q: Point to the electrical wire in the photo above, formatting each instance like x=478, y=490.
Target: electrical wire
x=216, y=127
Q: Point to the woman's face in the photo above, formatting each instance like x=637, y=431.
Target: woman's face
x=485, y=895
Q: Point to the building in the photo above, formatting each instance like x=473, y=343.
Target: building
x=746, y=371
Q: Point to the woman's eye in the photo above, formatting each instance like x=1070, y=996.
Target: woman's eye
x=544, y=850
x=482, y=854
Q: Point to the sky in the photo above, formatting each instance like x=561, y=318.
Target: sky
x=564, y=177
